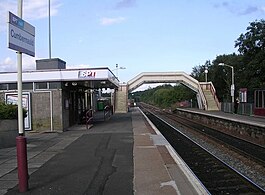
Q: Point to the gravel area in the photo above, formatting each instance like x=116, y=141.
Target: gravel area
x=250, y=169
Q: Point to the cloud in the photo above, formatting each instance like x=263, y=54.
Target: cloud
x=8, y=61
x=240, y=9
x=125, y=4
x=37, y=9
x=250, y=10
x=28, y=62
x=10, y=65
x=7, y=65
x=79, y=66
x=32, y=10
x=110, y=21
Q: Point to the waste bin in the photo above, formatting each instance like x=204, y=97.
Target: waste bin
x=100, y=105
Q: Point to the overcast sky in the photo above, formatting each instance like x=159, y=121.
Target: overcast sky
x=141, y=35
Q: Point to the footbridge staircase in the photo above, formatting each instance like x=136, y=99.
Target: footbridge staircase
x=205, y=92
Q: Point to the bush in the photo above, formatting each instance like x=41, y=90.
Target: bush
x=9, y=111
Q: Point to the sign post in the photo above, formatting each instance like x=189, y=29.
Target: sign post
x=21, y=37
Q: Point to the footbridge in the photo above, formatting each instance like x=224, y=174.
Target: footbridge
x=205, y=91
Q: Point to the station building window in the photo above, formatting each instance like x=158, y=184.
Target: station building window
x=41, y=85
x=55, y=85
x=260, y=99
x=3, y=86
x=27, y=86
x=12, y=86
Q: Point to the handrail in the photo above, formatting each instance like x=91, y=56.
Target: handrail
x=106, y=111
x=203, y=98
x=210, y=86
x=89, y=117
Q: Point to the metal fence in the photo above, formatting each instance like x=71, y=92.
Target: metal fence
x=243, y=108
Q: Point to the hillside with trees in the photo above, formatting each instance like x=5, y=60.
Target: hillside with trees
x=166, y=96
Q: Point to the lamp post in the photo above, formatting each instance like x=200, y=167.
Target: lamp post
x=206, y=72
x=117, y=68
x=233, y=81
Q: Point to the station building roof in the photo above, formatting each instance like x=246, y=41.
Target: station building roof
x=88, y=77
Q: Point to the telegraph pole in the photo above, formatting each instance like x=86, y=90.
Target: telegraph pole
x=50, y=39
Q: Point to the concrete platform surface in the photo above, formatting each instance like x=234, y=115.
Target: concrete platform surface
x=123, y=155
x=245, y=119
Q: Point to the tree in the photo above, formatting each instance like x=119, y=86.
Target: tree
x=252, y=46
x=222, y=79
x=198, y=72
x=9, y=111
x=166, y=95
x=253, y=41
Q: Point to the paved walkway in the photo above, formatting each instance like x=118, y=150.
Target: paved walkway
x=122, y=155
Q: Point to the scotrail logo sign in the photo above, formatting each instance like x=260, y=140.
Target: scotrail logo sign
x=21, y=35
x=86, y=74
x=16, y=21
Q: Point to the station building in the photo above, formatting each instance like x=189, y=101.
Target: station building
x=56, y=97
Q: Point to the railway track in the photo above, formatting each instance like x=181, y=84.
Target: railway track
x=246, y=148
x=217, y=176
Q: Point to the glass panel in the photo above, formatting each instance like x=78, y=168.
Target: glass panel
x=3, y=86
x=55, y=85
x=12, y=86
x=26, y=86
x=41, y=85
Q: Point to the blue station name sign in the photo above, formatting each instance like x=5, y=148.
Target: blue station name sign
x=21, y=35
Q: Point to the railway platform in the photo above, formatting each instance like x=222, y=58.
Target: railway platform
x=249, y=128
x=245, y=119
x=122, y=155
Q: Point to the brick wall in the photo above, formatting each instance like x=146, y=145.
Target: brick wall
x=247, y=132
x=41, y=111
x=122, y=99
